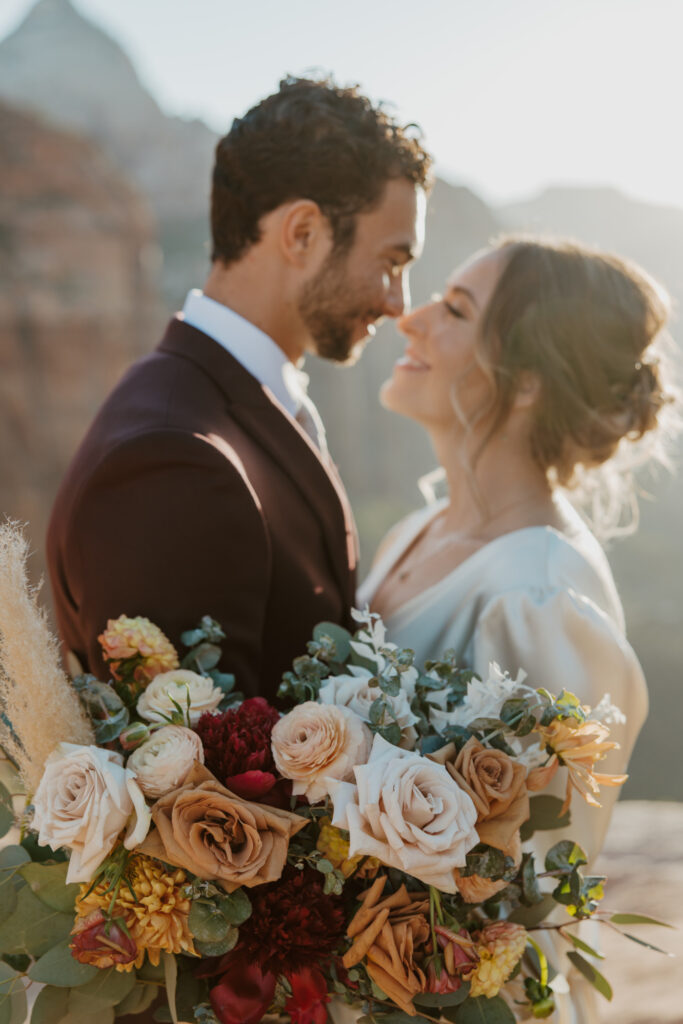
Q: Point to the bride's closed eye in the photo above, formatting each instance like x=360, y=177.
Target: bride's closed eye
x=453, y=310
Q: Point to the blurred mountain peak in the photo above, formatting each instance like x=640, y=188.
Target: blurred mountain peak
x=69, y=70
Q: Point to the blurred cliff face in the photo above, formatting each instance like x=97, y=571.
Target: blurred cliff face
x=78, y=302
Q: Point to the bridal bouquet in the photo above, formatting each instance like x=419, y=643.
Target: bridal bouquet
x=361, y=852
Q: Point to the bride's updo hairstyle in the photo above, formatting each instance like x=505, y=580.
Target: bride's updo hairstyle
x=591, y=327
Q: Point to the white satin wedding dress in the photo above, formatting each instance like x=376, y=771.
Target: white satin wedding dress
x=546, y=602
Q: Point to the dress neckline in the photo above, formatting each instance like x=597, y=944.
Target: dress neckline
x=404, y=540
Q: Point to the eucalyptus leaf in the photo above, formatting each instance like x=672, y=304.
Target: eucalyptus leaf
x=48, y=883
x=207, y=923
x=6, y=817
x=544, y=815
x=206, y=656
x=109, y=987
x=218, y=948
x=648, y=945
x=529, y=917
x=138, y=999
x=235, y=907
x=583, y=946
x=485, y=1011
x=33, y=927
x=638, y=919
x=50, y=1005
x=340, y=636
x=597, y=980
x=564, y=856
x=59, y=968
x=84, y=1010
x=446, y=999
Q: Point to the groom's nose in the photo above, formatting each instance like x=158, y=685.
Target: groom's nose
x=397, y=298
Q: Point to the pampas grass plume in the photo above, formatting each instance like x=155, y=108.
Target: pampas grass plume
x=36, y=697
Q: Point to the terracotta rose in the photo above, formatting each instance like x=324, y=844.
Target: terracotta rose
x=203, y=827
x=496, y=783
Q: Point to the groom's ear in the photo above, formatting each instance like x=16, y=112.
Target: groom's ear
x=304, y=232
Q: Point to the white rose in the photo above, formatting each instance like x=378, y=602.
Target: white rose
x=409, y=812
x=163, y=762
x=83, y=801
x=314, y=743
x=354, y=691
x=484, y=698
x=156, y=703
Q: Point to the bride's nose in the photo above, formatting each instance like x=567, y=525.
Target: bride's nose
x=411, y=322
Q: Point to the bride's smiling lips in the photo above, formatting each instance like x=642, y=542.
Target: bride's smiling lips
x=411, y=361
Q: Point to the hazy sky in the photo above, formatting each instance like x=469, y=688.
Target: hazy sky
x=512, y=94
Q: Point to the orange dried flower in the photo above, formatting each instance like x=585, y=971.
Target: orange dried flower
x=137, y=638
x=578, y=746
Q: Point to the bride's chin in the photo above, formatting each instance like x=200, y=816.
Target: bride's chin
x=394, y=399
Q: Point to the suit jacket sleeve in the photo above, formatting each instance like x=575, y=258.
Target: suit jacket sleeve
x=168, y=527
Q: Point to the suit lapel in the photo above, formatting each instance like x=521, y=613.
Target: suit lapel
x=259, y=413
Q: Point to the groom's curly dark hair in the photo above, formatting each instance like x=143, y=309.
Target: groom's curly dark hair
x=310, y=140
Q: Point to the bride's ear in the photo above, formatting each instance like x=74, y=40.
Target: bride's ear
x=528, y=390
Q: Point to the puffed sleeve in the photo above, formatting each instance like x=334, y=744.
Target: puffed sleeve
x=563, y=640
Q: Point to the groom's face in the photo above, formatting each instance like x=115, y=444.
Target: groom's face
x=358, y=285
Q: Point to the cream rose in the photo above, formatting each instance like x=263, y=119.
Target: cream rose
x=407, y=811
x=164, y=761
x=355, y=692
x=83, y=801
x=315, y=743
x=156, y=702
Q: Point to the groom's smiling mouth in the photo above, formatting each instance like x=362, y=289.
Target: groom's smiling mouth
x=411, y=361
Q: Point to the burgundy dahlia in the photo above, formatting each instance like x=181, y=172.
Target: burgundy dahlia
x=293, y=924
x=237, y=747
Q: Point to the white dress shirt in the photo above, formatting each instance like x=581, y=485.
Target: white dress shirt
x=260, y=356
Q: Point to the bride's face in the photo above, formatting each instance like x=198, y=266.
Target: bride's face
x=438, y=381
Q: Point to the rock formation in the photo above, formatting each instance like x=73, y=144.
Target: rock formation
x=78, y=302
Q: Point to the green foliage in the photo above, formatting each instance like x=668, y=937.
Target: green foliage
x=488, y=862
x=33, y=927
x=485, y=1011
x=544, y=815
x=445, y=999
x=12, y=996
x=564, y=856
x=109, y=987
x=638, y=919
x=57, y=967
x=105, y=707
x=51, y=1005
x=6, y=811
x=593, y=975
x=331, y=643
x=139, y=998
x=304, y=682
x=48, y=883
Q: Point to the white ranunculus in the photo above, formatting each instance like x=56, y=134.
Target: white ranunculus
x=156, y=703
x=355, y=692
x=409, y=812
x=484, y=698
x=163, y=762
x=84, y=800
x=315, y=743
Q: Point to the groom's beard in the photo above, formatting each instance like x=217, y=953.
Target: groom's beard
x=333, y=310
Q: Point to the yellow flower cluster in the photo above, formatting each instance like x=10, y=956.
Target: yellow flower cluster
x=500, y=947
x=156, y=915
x=129, y=638
x=335, y=848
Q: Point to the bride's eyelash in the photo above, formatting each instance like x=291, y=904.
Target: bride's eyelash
x=454, y=311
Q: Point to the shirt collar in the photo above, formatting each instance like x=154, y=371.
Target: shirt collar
x=250, y=346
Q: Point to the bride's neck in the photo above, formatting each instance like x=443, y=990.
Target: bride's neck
x=505, y=490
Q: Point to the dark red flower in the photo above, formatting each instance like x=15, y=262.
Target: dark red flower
x=244, y=992
x=237, y=748
x=100, y=942
x=309, y=997
x=293, y=924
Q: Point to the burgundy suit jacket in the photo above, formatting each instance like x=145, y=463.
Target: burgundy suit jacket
x=195, y=493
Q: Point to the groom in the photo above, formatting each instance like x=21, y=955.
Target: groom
x=204, y=485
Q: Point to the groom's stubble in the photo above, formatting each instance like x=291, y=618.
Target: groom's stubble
x=334, y=304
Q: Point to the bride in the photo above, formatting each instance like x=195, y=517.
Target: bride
x=539, y=364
